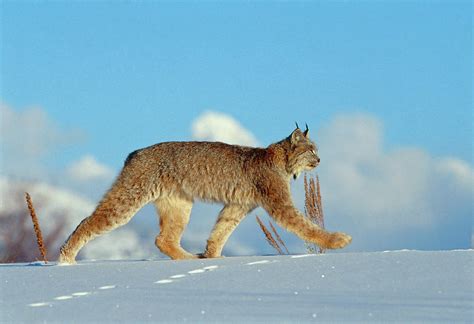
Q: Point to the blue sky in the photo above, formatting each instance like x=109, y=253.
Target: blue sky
x=132, y=74
x=119, y=76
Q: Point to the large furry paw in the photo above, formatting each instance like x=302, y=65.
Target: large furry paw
x=183, y=256
x=209, y=256
x=65, y=260
x=338, y=240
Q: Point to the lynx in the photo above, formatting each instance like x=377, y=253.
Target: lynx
x=173, y=174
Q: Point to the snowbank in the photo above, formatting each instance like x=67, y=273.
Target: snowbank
x=400, y=286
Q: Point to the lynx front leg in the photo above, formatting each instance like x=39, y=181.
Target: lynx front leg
x=229, y=217
x=174, y=216
x=275, y=198
x=288, y=217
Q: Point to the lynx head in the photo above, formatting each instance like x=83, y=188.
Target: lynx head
x=302, y=154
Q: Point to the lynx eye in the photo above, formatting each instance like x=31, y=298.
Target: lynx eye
x=313, y=151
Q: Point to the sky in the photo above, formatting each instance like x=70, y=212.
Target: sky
x=385, y=87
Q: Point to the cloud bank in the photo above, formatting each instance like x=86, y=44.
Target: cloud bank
x=387, y=198
x=56, y=205
x=392, y=198
x=216, y=126
x=28, y=137
x=89, y=169
x=34, y=130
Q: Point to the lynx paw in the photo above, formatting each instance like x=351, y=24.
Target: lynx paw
x=63, y=260
x=209, y=256
x=183, y=256
x=338, y=240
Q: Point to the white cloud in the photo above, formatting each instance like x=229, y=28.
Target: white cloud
x=123, y=243
x=56, y=205
x=392, y=198
x=457, y=169
x=89, y=169
x=386, y=198
x=28, y=140
x=216, y=126
x=27, y=136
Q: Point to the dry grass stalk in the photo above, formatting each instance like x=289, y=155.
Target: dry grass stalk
x=39, y=236
x=313, y=207
x=269, y=237
x=17, y=237
x=278, y=237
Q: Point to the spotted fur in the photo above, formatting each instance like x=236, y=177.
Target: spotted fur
x=173, y=174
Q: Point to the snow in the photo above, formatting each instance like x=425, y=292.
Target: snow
x=404, y=286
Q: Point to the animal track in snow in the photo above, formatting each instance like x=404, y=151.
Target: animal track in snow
x=301, y=256
x=107, y=287
x=71, y=296
x=201, y=270
x=196, y=271
x=164, y=281
x=258, y=262
x=178, y=276
x=191, y=272
x=38, y=304
x=63, y=297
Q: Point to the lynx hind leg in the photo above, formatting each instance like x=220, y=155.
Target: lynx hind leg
x=113, y=211
x=292, y=220
x=174, y=215
x=229, y=217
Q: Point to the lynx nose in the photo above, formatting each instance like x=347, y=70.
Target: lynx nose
x=318, y=159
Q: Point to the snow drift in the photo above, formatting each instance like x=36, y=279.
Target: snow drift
x=400, y=286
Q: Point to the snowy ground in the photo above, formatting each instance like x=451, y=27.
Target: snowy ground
x=385, y=286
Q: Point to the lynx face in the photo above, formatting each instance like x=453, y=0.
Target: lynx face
x=303, y=155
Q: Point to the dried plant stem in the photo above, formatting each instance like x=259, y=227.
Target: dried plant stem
x=39, y=236
x=278, y=237
x=313, y=207
x=269, y=237
x=319, y=203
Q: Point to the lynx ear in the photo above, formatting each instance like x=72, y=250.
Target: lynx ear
x=306, y=132
x=295, y=137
